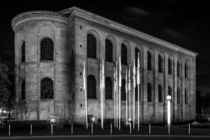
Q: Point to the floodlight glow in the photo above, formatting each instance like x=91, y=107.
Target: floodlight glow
x=168, y=97
x=53, y=120
x=93, y=119
x=4, y=111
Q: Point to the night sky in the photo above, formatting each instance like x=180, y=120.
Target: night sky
x=182, y=22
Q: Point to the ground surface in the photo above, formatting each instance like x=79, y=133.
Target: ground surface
x=156, y=132
x=113, y=137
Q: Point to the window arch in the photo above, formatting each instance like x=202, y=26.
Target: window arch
x=136, y=93
x=91, y=46
x=186, y=97
x=123, y=92
x=91, y=87
x=169, y=90
x=46, y=49
x=178, y=95
x=160, y=63
x=160, y=94
x=124, y=54
x=23, y=51
x=149, y=60
x=46, y=88
x=108, y=50
x=108, y=88
x=170, y=66
x=23, y=93
x=137, y=51
x=178, y=68
x=186, y=70
x=149, y=92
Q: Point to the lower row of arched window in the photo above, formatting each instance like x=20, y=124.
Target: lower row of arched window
x=47, y=90
x=91, y=90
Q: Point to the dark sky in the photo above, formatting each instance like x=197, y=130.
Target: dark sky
x=182, y=22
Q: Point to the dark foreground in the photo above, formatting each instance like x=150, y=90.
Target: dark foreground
x=78, y=132
x=111, y=137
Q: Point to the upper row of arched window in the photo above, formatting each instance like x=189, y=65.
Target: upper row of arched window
x=179, y=68
x=47, y=54
x=46, y=50
x=92, y=53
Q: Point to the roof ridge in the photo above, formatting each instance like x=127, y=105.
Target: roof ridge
x=113, y=24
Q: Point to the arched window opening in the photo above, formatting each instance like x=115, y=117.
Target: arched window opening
x=186, y=97
x=160, y=64
x=109, y=50
x=178, y=69
x=170, y=65
x=108, y=88
x=46, y=49
x=136, y=93
x=91, y=46
x=169, y=90
x=123, y=54
x=46, y=88
x=160, y=94
x=186, y=70
x=149, y=92
x=137, y=51
x=91, y=87
x=23, y=93
x=123, y=92
x=23, y=52
x=178, y=96
x=149, y=60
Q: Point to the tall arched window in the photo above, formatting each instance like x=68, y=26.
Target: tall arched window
x=91, y=87
x=160, y=94
x=149, y=60
x=109, y=50
x=160, y=63
x=170, y=65
x=23, y=93
x=169, y=90
x=108, y=88
x=178, y=69
x=178, y=95
x=91, y=46
x=123, y=92
x=23, y=47
x=136, y=93
x=46, y=49
x=137, y=51
x=124, y=54
x=149, y=92
x=186, y=97
x=186, y=69
x=46, y=88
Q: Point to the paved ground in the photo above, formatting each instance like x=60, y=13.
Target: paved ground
x=110, y=137
x=159, y=132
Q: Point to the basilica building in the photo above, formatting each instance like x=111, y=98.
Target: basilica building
x=74, y=64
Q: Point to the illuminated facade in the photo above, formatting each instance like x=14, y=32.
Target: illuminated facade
x=51, y=48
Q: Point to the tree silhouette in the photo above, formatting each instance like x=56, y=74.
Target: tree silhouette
x=6, y=99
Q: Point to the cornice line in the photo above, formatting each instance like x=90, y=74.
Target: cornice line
x=30, y=14
x=120, y=27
